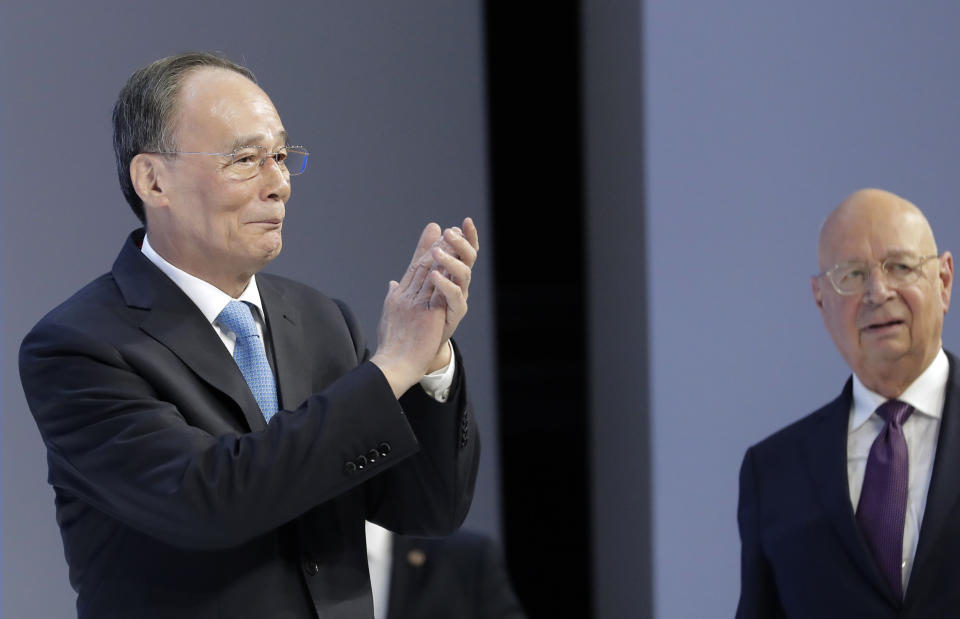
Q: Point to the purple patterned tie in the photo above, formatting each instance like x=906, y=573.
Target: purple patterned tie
x=883, y=500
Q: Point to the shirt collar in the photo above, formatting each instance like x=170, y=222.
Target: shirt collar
x=207, y=297
x=925, y=394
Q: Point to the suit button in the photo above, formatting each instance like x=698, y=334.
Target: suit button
x=361, y=463
x=311, y=567
x=384, y=449
x=416, y=557
x=372, y=455
x=349, y=468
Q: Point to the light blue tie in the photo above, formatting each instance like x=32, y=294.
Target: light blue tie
x=251, y=356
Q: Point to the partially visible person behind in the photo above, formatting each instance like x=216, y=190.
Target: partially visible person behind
x=461, y=576
x=216, y=436
x=854, y=510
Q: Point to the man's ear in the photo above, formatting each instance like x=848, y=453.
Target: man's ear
x=147, y=175
x=946, y=279
x=817, y=291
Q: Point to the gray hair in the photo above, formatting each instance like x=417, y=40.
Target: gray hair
x=144, y=111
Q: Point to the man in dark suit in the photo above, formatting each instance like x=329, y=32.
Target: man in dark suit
x=217, y=437
x=462, y=576
x=853, y=510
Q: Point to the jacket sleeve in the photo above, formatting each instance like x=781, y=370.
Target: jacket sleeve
x=758, y=590
x=428, y=494
x=117, y=442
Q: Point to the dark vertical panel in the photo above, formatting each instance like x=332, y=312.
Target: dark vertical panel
x=533, y=87
x=617, y=308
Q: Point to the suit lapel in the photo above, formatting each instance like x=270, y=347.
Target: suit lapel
x=286, y=335
x=825, y=451
x=944, y=489
x=176, y=322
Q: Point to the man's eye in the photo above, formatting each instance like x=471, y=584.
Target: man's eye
x=854, y=275
x=244, y=158
x=899, y=268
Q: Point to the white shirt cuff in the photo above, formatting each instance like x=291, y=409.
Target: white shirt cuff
x=437, y=384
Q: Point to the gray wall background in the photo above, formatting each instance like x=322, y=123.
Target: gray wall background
x=761, y=116
x=758, y=118
x=387, y=96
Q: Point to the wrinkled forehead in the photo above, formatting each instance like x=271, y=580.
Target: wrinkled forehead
x=221, y=103
x=874, y=232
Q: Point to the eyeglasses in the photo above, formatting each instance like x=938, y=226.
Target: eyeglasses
x=247, y=162
x=898, y=271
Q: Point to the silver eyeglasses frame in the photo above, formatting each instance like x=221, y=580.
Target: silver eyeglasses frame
x=245, y=173
x=885, y=266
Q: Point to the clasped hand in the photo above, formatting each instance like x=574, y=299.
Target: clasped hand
x=423, y=309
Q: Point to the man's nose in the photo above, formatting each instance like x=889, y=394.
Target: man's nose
x=276, y=181
x=878, y=290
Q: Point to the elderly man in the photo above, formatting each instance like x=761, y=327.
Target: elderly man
x=853, y=511
x=217, y=437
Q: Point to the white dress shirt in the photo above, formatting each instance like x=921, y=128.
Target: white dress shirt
x=211, y=301
x=380, y=561
x=926, y=395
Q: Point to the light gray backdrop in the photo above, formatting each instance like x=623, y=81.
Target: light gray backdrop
x=761, y=116
x=387, y=96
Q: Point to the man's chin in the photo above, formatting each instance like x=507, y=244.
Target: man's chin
x=270, y=244
x=262, y=255
x=891, y=361
x=887, y=352
x=272, y=253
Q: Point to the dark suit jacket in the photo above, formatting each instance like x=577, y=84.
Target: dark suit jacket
x=175, y=498
x=458, y=577
x=802, y=552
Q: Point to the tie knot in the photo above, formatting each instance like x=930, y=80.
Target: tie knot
x=894, y=411
x=237, y=317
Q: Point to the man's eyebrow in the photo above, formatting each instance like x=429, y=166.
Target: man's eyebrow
x=250, y=140
x=893, y=253
x=903, y=253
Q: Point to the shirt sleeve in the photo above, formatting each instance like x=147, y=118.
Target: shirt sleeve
x=437, y=384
